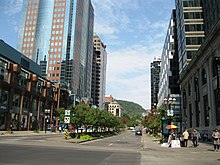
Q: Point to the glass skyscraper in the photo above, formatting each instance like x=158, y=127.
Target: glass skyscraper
x=190, y=30
x=155, y=79
x=99, y=72
x=58, y=35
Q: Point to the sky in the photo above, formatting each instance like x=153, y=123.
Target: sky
x=134, y=32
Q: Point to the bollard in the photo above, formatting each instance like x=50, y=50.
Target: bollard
x=66, y=134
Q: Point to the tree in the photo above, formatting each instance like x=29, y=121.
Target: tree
x=61, y=113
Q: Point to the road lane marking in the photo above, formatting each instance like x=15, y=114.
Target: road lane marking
x=110, y=144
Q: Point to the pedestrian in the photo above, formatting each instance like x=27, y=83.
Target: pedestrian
x=195, y=137
x=51, y=127
x=60, y=128
x=185, y=138
x=171, y=137
x=205, y=137
x=216, y=139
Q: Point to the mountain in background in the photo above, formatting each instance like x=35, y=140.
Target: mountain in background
x=130, y=108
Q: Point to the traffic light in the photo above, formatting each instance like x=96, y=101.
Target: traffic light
x=72, y=113
x=163, y=115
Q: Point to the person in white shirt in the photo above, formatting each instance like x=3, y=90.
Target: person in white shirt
x=216, y=139
x=185, y=138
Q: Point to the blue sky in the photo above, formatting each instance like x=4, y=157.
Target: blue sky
x=134, y=32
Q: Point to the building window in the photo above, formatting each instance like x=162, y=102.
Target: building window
x=189, y=89
x=204, y=77
x=3, y=98
x=16, y=100
x=190, y=115
x=23, y=79
x=26, y=102
x=206, y=110
x=216, y=67
x=4, y=71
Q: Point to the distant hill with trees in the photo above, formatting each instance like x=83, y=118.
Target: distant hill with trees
x=132, y=112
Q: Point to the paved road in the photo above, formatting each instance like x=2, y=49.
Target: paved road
x=121, y=149
x=54, y=150
x=26, y=155
x=126, y=141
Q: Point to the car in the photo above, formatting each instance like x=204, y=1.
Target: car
x=138, y=132
x=133, y=130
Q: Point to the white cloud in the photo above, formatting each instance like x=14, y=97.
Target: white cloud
x=134, y=33
x=11, y=7
x=128, y=75
x=112, y=15
x=105, y=29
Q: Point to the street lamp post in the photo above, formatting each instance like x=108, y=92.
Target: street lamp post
x=46, y=112
x=168, y=101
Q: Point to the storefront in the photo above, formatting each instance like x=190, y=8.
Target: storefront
x=24, y=94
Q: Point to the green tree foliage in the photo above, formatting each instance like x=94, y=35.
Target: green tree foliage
x=131, y=109
x=91, y=117
x=132, y=113
x=61, y=113
x=153, y=120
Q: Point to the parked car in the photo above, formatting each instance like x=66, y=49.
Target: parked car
x=138, y=132
x=133, y=130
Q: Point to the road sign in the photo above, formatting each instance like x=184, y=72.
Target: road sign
x=170, y=112
x=67, y=112
x=67, y=120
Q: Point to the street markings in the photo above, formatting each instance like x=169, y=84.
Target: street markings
x=110, y=144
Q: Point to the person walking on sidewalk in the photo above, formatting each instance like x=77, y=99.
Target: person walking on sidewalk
x=185, y=138
x=216, y=139
x=195, y=137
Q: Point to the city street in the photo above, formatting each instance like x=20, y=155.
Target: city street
x=53, y=149
x=125, y=148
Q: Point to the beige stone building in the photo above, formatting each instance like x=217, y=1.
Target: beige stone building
x=200, y=86
x=115, y=109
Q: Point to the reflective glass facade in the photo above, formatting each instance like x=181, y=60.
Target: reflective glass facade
x=211, y=11
x=47, y=34
x=83, y=52
x=190, y=30
x=155, y=79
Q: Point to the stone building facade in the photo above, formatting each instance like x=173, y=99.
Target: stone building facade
x=200, y=86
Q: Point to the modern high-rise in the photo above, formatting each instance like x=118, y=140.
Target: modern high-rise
x=190, y=30
x=169, y=89
x=58, y=35
x=99, y=72
x=155, y=71
x=211, y=13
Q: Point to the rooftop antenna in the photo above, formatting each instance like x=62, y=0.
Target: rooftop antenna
x=37, y=55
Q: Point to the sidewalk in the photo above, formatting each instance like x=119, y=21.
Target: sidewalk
x=150, y=143
x=153, y=154
x=25, y=133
